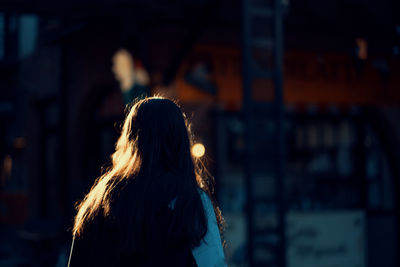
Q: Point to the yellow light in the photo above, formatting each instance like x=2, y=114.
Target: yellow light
x=198, y=150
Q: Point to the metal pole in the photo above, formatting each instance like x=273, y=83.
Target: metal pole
x=246, y=107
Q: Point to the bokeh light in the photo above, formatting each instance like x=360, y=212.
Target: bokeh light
x=198, y=150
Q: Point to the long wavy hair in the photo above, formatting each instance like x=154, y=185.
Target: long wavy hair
x=152, y=166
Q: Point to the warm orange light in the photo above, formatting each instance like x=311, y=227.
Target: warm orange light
x=362, y=48
x=19, y=142
x=198, y=150
x=7, y=165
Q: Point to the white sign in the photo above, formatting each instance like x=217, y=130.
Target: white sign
x=326, y=239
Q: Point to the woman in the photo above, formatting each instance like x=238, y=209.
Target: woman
x=152, y=207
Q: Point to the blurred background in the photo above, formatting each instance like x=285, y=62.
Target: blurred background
x=295, y=105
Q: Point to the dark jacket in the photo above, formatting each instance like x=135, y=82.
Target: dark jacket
x=107, y=248
x=91, y=250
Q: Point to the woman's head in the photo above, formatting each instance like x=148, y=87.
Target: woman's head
x=155, y=142
x=154, y=137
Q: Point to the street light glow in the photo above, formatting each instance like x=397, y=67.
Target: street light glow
x=198, y=150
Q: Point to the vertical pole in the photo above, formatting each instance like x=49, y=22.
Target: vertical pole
x=280, y=134
x=62, y=137
x=246, y=106
x=43, y=194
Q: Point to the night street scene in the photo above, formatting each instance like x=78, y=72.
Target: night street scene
x=250, y=133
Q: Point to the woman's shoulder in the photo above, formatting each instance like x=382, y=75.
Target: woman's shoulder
x=208, y=206
x=205, y=198
x=210, y=251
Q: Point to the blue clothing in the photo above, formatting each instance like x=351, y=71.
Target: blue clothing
x=210, y=252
